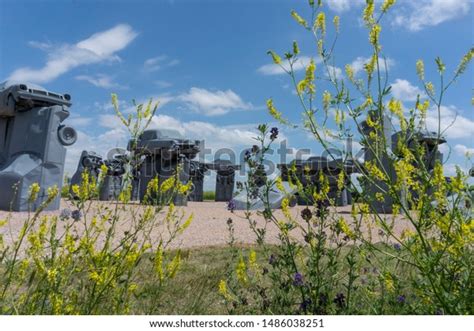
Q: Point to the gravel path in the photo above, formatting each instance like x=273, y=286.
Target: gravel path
x=209, y=226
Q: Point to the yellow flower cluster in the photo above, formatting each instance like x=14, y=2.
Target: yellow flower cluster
x=423, y=108
x=374, y=34
x=326, y=99
x=241, y=271
x=335, y=21
x=370, y=66
x=299, y=19
x=420, y=69
x=368, y=14
x=387, y=4
x=34, y=190
x=276, y=58
x=465, y=61
x=186, y=224
x=174, y=265
x=307, y=84
x=285, y=203
x=430, y=89
x=349, y=72
x=344, y=228
x=274, y=112
x=320, y=23
x=223, y=290
x=374, y=170
x=395, y=108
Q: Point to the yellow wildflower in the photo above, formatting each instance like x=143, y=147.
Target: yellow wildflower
x=349, y=72
x=241, y=271
x=174, y=265
x=374, y=34
x=186, y=224
x=336, y=22
x=223, y=290
x=387, y=4
x=326, y=99
x=276, y=58
x=299, y=19
x=430, y=88
x=344, y=228
x=369, y=12
x=420, y=69
x=320, y=23
x=34, y=190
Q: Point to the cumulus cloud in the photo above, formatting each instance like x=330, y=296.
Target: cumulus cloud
x=99, y=47
x=463, y=150
x=453, y=125
x=100, y=144
x=403, y=90
x=421, y=14
x=213, y=103
x=100, y=80
x=274, y=69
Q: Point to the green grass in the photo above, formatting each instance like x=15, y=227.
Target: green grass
x=194, y=290
x=209, y=195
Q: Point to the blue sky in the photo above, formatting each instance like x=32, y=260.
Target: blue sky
x=206, y=61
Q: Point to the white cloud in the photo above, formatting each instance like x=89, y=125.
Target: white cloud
x=274, y=69
x=453, y=125
x=343, y=5
x=44, y=46
x=212, y=103
x=334, y=72
x=425, y=13
x=100, y=144
x=450, y=169
x=359, y=63
x=78, y=121
x=403, y=90
x=229, y=136
x=100, y=47
x=100, y=80
x=463, y=150
x=158, y=62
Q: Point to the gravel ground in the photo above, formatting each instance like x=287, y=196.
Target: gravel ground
x=209, y=226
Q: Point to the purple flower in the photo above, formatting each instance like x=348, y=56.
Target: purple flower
x=248, y=154
x=272, y=260
x=273, y=133
x=401, y=299
x=306, y=214
x=340, y=300
x=65, y=214
x=298, y=279
x=305, y=304
x=231, y=205
x=397, y=246
x=76, y=215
